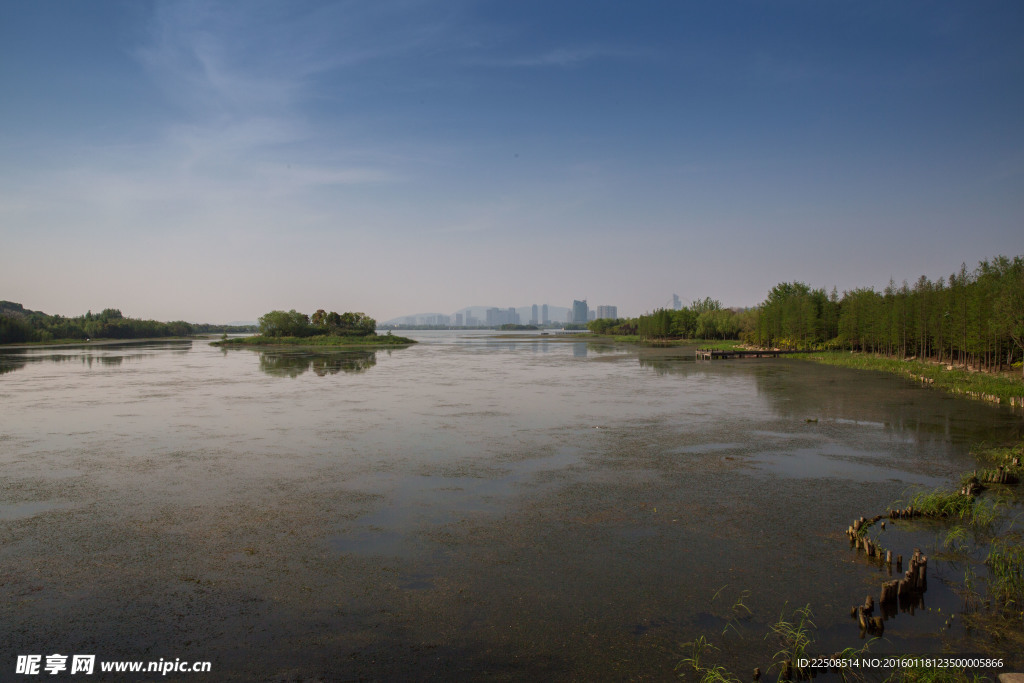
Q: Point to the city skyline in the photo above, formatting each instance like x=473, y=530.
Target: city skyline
x=213, y=161
x=477, y=316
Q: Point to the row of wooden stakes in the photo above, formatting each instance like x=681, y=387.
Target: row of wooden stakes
x=914, y=582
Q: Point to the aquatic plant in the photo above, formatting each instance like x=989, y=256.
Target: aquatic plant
x=1006, y=584
x=939, y=503
x=793, y=636
x=697, y=649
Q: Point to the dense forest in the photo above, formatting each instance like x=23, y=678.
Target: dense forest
x=972, y=318
x=20, y=325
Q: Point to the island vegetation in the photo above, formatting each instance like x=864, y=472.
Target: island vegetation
x=278, y=328
x=517, y=326
x=19, y=325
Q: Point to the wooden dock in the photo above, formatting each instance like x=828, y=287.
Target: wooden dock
x=711, y=354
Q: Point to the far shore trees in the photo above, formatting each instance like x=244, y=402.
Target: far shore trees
x=294, y=324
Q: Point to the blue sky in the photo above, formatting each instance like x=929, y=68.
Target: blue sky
x=212, y=162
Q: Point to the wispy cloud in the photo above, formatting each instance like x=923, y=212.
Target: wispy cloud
x=566, y=57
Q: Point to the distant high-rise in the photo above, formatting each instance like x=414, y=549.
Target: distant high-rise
x=544, y=319
x=458, y=320
x=676, y=303
x=533, y=316
x=608, y=312
x=580, y=311
x=499, y=316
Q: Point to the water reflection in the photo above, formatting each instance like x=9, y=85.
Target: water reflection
x=294, y=363
x=102, y=354
x=669, y=365
x=807, y=391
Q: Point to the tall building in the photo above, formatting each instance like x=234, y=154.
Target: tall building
x=458, y=320
x=608, y=312
x=676, y=303
x=499, y=316
x=533, y=316
x=544, y=319
x=580, y=311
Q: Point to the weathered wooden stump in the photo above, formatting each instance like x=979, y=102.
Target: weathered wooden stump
x=889, y=592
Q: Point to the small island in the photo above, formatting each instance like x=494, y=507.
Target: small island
x=291, y=328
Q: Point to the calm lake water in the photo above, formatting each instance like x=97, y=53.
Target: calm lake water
x=470, y=507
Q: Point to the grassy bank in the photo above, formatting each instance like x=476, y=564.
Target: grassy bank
x=1006, y=389
x=317, y=340
x=724, y=344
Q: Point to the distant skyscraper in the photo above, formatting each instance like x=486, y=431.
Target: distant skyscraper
x=533, y=316
x=676, y=303
x=544, y=319
x=458, y=320
x=500, y=316
x=608, y=312
x=580, y=311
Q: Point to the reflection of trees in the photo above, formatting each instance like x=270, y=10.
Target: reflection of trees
x=294, y=363
x=10, y=362
x=678, y=365
x=798, y=390
x=102, y=354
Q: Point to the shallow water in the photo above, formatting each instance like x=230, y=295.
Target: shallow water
x=469, y=507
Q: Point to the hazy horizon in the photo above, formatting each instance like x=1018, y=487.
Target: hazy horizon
x=211, y=162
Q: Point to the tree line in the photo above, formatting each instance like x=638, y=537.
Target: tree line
x=20, y=325
x=294, y=324
x=972, y=318
x=703, y=319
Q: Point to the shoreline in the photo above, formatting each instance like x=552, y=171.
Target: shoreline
x=1000, y=389
x=319, y=341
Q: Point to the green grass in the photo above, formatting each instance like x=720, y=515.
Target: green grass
x=793, y=637
x=317, y=340
x=1006, y=562
x=957, y=380
x=720, y=344
x=941, y=503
